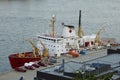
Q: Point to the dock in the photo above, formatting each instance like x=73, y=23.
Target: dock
x=30, y=74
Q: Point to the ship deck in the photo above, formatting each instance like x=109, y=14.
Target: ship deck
x=30, y=74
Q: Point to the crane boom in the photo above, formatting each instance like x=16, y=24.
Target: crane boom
x=45, y=50
x=42, y=44
x=97, y=38
x=35, y=50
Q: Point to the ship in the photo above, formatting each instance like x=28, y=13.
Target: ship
x=55, y=45
x=69, y=40
x=27, y=60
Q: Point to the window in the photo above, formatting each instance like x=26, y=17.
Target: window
x=78, y=41
x=72, y=38
x=67, y=43
x=54, y=40
x=66, y=49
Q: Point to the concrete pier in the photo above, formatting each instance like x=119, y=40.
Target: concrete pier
x=30, y=74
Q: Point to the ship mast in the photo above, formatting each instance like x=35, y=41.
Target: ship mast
x=53, y=26
x=80, y=31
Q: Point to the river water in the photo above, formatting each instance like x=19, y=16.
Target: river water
x=21, y=19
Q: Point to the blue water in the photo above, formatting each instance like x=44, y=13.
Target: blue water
x=21, y=19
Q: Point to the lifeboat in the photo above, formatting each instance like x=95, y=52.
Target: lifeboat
x=73, y=52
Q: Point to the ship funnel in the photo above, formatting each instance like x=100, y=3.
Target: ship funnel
x=79, y=18
x=68, y=31
x=80, y=31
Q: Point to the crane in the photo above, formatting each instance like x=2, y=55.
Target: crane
x=36, y=51
x=45, y=55
x=97, y=38
x=45, y=50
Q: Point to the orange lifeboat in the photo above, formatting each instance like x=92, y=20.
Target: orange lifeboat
x=74, y=53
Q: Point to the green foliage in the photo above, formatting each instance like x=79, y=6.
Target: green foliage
x=107, y=77
x=79, y=76
x=84, y=77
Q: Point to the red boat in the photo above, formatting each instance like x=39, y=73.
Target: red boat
x=19, y=59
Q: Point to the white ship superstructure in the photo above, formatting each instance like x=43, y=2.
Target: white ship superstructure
x=58, y=44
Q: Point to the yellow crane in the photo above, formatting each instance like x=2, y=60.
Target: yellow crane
x=97, y=38
x=45, y=50
x=36, y=51
x=80, y=31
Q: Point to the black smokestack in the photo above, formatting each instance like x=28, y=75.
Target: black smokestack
x=79, y=18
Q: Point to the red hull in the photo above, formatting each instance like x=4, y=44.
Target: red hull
x=15, y=61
